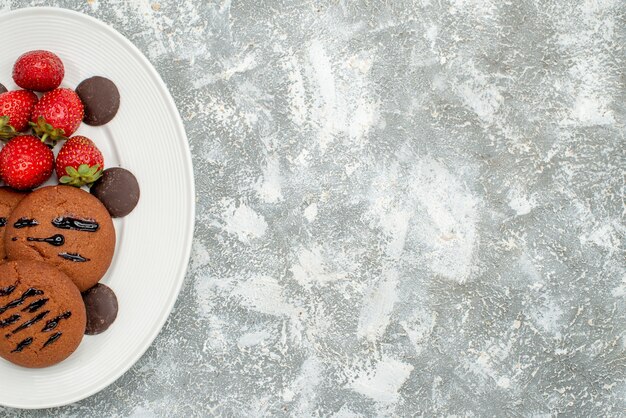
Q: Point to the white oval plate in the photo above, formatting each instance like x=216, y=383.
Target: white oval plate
x=154, y=241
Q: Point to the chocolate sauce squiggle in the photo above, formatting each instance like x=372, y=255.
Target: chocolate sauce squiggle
x=86, y=225
x=52, y=339
x=33, y=307
x=17, y=302
x=73, y=257
x=25, y=222
x=31, y=322
x=23, y=344
x=52, y=324
x=57, y=240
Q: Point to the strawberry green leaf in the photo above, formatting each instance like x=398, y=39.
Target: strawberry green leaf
x=71, y=171
x=6, y=130
x=46, y=131
x=83, y=169
x=93, y=170
x=85, y=175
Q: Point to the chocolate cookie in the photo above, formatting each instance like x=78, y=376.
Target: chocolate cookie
x=66, y=227
x=100, y=98
x=9, y=199
x=42, y=315
x=101, y=306
x=118, y=190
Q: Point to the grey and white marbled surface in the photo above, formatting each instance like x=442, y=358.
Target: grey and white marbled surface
x=403, y=208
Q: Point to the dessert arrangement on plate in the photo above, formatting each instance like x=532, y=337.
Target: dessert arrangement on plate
x=56, y=242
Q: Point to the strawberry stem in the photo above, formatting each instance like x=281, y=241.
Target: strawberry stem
x=6, y=130
x=46, y=131
x=81, y=176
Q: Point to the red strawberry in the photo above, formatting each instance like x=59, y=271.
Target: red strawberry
x=57, y=114
x=15, y=110
x=79, y=162
x=38, y=70
x=25, y=162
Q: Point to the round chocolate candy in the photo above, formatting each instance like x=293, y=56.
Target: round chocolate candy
x=118, y=190
x=100, y=98
x=101, y=305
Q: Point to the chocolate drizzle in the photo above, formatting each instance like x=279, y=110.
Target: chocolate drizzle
x=52, y=324
x=10, y=320
x=3, y=221
x=39, y=317
x=6, y=291
x=23, y=344
x=33, y=307
x=56, y=240
x=86, y=225
x=52, y=339
x=31, y=322
x=73, y=257
x=17, y=302
x=25, y=222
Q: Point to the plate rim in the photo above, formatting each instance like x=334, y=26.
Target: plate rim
x=188, y=170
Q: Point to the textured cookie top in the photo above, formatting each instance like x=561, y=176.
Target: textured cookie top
x=66, y=227
x=9, y=199
x=42, y=316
